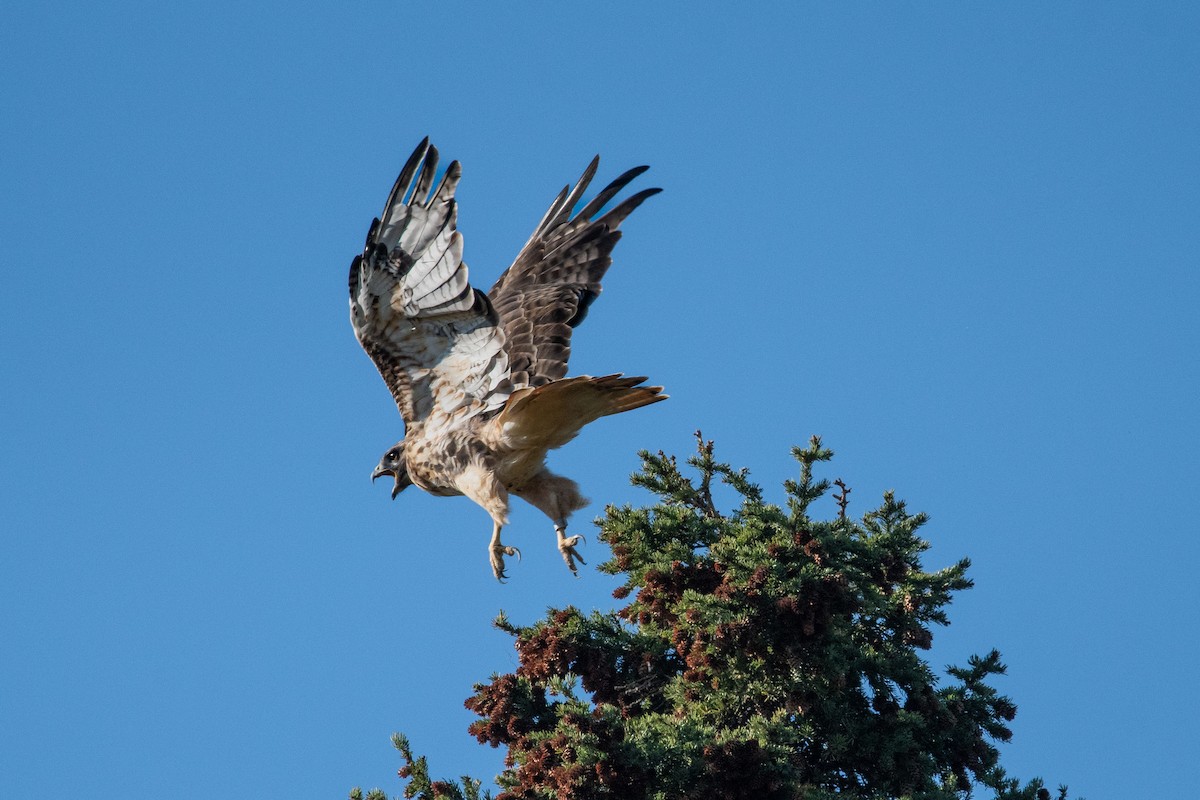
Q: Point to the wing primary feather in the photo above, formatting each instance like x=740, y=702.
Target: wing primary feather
x=404, y=180
x=610, y=191
x=580, y=187
x=355, y=272
x=445, y=189
x=615, y=217
x=420, y=194
x=446, y=240
x=432, y=274
x=551, y=214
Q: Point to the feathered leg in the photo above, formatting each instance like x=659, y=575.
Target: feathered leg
x=479, y=484
x=556, y=497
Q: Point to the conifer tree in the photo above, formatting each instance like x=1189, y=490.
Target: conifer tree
x=760, y=654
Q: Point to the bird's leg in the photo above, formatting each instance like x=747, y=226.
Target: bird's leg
x=478, y=482
x=566, y=545
x=556, y=497
x=497, y=551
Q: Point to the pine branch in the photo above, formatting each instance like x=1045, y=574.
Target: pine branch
x=801, y=494
x=843, y=499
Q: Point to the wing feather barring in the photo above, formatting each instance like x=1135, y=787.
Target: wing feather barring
x=480, y=379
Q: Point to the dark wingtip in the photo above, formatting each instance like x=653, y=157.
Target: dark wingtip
x=355, y=271
x=609, y=192
x=580, y=187
x=407, y=176
x=618, y=214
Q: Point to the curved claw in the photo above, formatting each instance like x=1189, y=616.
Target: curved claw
x=497, y=558
x=570, y=554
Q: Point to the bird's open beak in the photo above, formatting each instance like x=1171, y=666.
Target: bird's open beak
x=380, y=471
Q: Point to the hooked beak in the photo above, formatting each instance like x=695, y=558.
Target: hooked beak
x=380, y=471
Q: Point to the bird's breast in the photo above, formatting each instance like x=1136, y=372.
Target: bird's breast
x=436, y=459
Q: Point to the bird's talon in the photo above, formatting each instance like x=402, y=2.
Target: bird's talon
x=570, y=554
x=497, y=558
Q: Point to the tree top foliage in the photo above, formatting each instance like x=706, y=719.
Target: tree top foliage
x=760, y=653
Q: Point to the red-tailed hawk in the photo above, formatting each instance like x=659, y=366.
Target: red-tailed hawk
x=479, y=378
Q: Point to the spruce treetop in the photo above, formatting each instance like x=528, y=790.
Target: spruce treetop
x=760, y=653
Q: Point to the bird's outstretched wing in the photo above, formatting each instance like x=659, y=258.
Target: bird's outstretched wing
x=556, y=276
x=436, y=341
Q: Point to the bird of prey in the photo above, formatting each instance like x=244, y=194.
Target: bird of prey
x=480, y=379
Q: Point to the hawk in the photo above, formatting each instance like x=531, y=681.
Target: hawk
x=479, y=379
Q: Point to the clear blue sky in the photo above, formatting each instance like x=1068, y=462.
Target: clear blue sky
x=957, y=240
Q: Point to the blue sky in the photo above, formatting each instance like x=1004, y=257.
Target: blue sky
x=959, y=241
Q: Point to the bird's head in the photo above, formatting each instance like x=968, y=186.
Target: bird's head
x=393, y=464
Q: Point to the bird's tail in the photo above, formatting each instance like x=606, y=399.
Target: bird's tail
x=553, y=414
x=618, y=393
